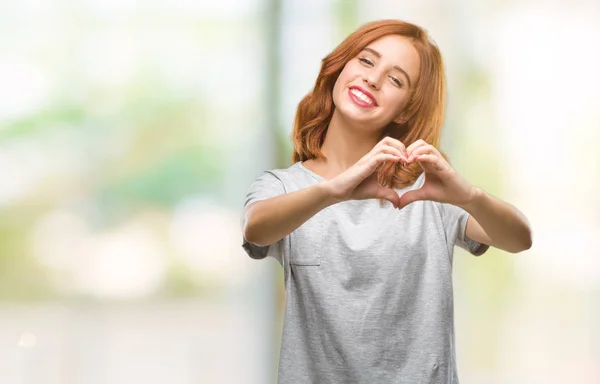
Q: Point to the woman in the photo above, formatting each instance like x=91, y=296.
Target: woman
x=369, y=286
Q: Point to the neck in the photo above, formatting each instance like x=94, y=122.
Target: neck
x=345, y=143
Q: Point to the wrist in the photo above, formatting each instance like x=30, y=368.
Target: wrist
x=476, y=195
x=325, y=194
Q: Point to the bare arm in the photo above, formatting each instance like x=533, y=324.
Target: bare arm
x=267, y=221
x=492, y=222
x=497, y=223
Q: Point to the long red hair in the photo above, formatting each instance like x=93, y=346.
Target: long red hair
x=425, y=109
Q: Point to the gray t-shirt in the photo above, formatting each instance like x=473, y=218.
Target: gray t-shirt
x=368, y=287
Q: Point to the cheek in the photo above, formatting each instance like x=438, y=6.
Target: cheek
x=339, y=87
x=336, y=93
x=396, y=103
x=397, y=100
x=347, y=75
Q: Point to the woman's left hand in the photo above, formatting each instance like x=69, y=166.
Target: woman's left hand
x=442, y=183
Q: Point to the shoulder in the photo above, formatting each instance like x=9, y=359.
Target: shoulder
x=292, y=175
x=282, y=179
x=277, y=173
x=285, y=172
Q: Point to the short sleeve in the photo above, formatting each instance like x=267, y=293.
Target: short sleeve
x=267, y=185
x=455, y=224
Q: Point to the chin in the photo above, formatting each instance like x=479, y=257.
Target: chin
x=351, y=113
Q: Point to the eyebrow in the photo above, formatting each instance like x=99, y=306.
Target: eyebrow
x=395, y=66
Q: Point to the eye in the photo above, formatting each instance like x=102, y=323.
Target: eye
x=397, y=82
x=366, y=61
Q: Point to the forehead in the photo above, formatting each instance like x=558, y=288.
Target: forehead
x=398, y=50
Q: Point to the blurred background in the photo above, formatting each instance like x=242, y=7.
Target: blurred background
x=130, y=130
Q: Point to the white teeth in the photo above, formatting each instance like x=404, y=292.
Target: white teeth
x=362, y=96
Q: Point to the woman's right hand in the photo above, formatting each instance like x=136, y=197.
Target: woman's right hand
x=359, y=182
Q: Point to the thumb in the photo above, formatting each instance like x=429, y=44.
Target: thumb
x=388, y=194
x=411, y=197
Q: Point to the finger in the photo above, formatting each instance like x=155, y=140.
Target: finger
x=411, y=197
x=391, y=150
x=423, y=150
x=381, y=147
x=415, y=145
x=389, y=195
x=378, y=150
x=433, y=163
x=395, y=143
x=381, y=157
x=428, y=158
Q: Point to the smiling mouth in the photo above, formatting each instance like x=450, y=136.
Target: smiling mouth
x=361, y=98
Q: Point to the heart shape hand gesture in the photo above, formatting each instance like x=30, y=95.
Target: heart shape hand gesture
x=442, y=183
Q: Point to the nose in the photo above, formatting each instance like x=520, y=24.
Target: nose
x=372, y=79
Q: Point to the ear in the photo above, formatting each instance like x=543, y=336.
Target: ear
x=401, y=119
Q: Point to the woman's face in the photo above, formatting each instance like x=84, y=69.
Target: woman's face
x=374, y=87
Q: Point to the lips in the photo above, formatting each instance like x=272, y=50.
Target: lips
x=362, y=97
